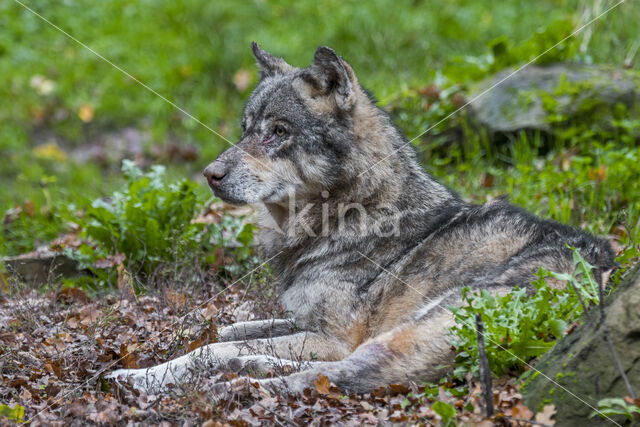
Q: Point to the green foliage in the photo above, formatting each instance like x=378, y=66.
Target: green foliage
x=49, y=193
x=433, y=395
x=503, y=53
x=150, y=223
x=616, y=406
x=518, y=327
x=414, y=109
x=446, y=411
x=12, y=414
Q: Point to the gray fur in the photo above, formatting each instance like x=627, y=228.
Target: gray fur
x=371, y=304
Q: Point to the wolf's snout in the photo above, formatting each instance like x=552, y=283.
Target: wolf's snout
x=215, y=172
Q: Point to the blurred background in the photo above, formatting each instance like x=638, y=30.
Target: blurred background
x=68, y=119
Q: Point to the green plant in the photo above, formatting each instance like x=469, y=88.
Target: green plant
x=446, y=411
x=518, y=327
x=151, y=222
x=617, y=406
x=13, y=414
x=148, y=222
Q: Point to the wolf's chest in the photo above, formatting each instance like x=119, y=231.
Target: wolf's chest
x=318, y=304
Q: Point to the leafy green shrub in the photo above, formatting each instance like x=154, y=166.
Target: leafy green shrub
x=518, y=327
x=150, y=222
x=617, y=406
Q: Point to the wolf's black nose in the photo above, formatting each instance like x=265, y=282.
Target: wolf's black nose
x=215, y=172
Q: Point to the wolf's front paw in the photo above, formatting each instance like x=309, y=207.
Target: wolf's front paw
x=141, y=379
x=239, y=386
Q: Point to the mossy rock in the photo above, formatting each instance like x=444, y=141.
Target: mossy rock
x=582, y=362
x=539, y=98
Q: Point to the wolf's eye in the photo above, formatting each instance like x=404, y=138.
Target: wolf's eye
x=279, y=130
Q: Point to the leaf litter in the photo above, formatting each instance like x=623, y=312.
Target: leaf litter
x=55, y=347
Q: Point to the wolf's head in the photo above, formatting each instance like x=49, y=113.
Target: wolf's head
x=305, y=131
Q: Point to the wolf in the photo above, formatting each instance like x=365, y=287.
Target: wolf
x=368, y=249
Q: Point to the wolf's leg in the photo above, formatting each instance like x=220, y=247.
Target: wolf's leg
x=214, y=357
x=418, y=350
x=243, y=331
x=262, y=364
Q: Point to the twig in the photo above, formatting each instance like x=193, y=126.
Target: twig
x=605, y=330
x=275, y=414
x=485, y=373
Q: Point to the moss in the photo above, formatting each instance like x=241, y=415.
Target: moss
x=526, y=99
x=507, y=112
x=549, y=103
x=577, y=359
x=543, y=403
x=572, y=89
x=561, y=375
x=527, y=378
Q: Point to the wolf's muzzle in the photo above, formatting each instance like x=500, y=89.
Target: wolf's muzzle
x=215, y=173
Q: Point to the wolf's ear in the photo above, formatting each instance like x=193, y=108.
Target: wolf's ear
x=333, y=76
x=269, y=65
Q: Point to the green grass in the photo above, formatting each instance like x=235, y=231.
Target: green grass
x=189, y=51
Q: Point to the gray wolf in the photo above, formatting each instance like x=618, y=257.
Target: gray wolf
x=367, y=258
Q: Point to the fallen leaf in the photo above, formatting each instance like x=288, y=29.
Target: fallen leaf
x=398, y=389
x=129, y=357
x=366, y=405
x=109, y=261
x=25, y=395
x=487, y=180
x=521, y=411
x=632, y=401
x=210, y=311
x=72, y=295
x=322, y=384
x=545, y=416
x=598, y=174
x=54, y=367
x=430, y=91
x=89, y=315
x=212, y=423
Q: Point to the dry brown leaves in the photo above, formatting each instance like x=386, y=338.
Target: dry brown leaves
x=53, y=348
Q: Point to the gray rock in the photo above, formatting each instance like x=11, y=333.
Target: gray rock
x=41, y=266
x=582, y=362
x=536, y=96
